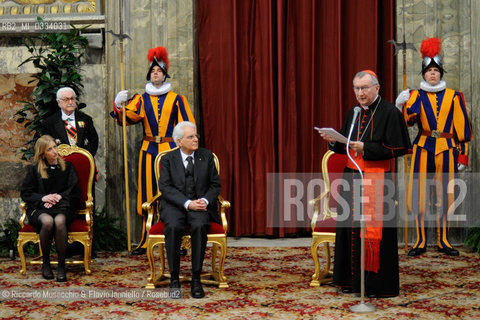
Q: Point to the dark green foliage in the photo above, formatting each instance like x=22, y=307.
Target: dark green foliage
x=9, y=239
x=108, y=235
x=473, y=238
x=57, y=57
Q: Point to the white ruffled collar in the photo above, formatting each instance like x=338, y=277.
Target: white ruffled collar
x=154, y=91
x=425, y=86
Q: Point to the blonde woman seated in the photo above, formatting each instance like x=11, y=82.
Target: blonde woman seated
x=51, y=193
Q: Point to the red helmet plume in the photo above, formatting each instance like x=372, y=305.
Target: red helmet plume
x=430, y=47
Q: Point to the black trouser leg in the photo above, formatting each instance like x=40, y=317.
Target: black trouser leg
x=174, y=231
x=199, y=225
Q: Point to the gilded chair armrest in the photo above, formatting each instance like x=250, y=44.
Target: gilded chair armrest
x=316, y=207
x=23, y=207
x=224, y=205
x=150, y=208
x=89, y=212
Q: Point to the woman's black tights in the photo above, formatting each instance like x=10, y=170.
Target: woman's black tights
x=53, y=228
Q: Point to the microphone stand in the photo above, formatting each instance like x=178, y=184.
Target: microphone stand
x=362, y=307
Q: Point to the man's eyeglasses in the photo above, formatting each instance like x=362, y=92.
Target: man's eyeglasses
x=73, y=99
x=192, y=136
x=363, y=89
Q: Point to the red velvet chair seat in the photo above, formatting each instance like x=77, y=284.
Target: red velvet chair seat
x=327, y=225
x=76, y=226
x=157, y=229
x=27, y=228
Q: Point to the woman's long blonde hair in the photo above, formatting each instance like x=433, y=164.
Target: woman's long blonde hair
x=40, y=147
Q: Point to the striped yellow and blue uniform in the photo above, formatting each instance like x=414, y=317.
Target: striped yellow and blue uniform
x=159, y=115
x=442, y=143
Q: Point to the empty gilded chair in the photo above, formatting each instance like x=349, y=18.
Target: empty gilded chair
x=324, y=217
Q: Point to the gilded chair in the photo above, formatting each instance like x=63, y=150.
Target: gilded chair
x=217, y=237
x=324, y=217
x=81, y=229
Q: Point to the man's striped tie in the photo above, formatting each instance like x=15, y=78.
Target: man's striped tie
x=71, y=131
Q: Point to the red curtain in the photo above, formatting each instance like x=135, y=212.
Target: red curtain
x=271, y=70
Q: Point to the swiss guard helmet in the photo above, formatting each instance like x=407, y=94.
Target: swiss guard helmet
x=430, y=50
x=158, y=57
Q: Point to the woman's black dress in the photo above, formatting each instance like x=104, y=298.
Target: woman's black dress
x=34, y=187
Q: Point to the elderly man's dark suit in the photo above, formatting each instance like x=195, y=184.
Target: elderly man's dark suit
x=172, y=184
x=87, y=137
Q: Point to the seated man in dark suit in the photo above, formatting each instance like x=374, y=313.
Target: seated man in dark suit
x=190, y=185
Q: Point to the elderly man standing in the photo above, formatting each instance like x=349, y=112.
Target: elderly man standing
x=190, y=185
x=379, y=135
x=69, y=125
x=440, y=148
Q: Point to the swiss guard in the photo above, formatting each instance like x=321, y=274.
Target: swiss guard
x=440, y=149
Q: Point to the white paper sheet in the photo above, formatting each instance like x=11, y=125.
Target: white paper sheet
x=332, y=133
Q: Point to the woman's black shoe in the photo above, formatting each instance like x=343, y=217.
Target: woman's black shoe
x=416, y=252
x=61, y=273
x=47, y=271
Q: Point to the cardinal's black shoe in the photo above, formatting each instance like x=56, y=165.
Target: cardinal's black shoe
x=346, y=290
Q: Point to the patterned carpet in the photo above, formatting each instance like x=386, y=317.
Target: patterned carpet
x=270, y=283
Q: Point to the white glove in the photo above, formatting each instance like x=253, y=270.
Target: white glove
x=122, y=96
x=461, y=167
x=402, y=98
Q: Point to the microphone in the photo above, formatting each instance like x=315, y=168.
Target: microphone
x=356, y=112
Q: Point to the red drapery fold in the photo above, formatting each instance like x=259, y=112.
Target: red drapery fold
x=270, y=70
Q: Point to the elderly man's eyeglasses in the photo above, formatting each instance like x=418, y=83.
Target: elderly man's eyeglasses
x=192, y=136
x=73, y=99
x=363, y=89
